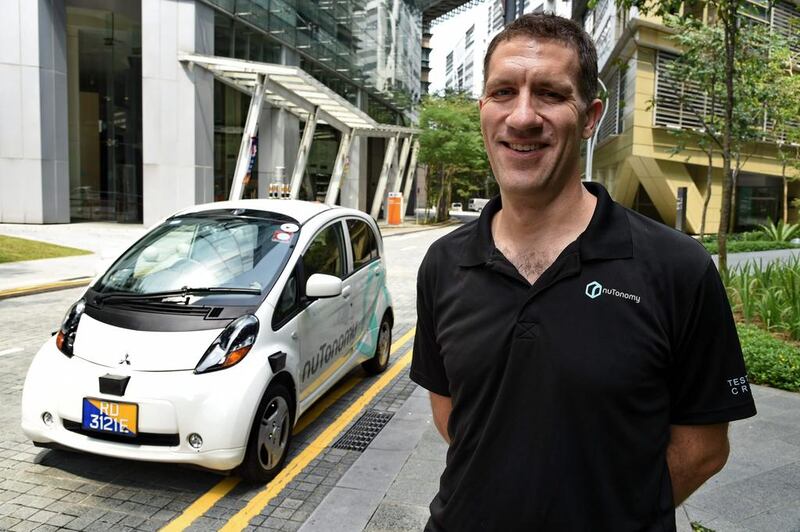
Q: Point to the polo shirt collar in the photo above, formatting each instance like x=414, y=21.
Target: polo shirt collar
x=608, y=235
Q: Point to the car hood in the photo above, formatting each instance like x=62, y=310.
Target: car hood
x=131, y=350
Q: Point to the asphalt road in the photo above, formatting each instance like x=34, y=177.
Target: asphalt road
x=47, y=489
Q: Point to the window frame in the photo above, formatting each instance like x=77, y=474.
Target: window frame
x=351, y=252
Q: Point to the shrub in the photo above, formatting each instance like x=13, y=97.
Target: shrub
x=769, y=361
x=742, y=246
x=781, y=232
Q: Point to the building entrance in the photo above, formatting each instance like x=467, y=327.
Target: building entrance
x=104, y=78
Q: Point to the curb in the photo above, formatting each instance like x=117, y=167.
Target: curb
x=45, y=287
x=411, y=230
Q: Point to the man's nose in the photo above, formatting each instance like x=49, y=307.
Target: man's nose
x=525, y=113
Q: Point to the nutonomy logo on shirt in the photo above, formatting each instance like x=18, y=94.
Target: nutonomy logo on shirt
x=595, y=290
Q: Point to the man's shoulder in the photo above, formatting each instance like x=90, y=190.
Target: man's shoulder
x=655, y=242
x=453, y=242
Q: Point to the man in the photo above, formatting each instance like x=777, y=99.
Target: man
x=581, y=359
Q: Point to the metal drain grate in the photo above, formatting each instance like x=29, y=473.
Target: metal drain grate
x=363, y=431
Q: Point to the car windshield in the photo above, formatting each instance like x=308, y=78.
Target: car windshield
x=206, y=250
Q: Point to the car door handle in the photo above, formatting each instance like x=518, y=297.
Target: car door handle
x=346, y=292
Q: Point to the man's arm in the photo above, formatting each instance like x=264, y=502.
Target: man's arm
x=695, y=453
x=441, y=406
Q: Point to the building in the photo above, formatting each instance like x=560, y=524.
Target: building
x=117, y=110
x=460, y=38
x=634, y=158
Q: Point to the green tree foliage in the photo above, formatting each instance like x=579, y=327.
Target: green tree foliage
x=761, y=89
x=452, y=147
x=727, y=15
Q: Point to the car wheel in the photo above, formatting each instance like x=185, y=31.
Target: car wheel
x=270, y=436
x=380, y=360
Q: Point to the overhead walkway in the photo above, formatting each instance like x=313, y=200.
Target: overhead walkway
x=292, y=89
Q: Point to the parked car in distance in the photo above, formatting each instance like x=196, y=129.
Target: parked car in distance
x=476, y=204
x=206, y=340
x=456, y=206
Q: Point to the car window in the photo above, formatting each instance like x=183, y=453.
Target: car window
x=325, y=254
x=287, y=303
x=362, y=238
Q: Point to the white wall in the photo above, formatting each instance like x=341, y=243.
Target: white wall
x=34, y=173
x=177, y=107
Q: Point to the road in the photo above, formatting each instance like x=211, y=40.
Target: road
x=46, y=489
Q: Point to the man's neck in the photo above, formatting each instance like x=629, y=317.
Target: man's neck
x=532, y=232
x=532, y=218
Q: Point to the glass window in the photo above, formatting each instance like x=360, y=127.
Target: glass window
x=213, y=249
x=325, y=253
x=365, y=246
x=287, y=303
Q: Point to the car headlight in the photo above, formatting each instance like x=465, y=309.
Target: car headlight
x=231, y=346
x=65, y=338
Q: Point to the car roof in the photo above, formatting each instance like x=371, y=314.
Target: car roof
x=301, y=211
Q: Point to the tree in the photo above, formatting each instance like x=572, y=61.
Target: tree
x=725, y=14
x=452, y=147
x=760, y=61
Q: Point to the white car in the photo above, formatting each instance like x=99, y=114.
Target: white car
x=206, y=340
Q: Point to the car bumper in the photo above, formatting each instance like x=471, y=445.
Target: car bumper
x=218, y=406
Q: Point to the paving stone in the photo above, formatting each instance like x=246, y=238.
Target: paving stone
x=42, y=516
x=392, y=517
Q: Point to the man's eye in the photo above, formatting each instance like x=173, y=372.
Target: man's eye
x=552, y=95
x=501, y=92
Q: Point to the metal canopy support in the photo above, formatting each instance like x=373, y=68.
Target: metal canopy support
x=412, y=168
x=338, y=168
x=302, y=153
x=250, y=129
x=381, y=188
x=401, y=167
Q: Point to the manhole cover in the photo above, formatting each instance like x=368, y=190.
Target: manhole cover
x=363, y=431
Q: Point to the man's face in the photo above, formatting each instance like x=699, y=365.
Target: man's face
x=532, y=115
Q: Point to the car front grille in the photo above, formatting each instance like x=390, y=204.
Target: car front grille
x=143, y=438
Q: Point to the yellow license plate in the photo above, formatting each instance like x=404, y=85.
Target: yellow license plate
x=111, y=417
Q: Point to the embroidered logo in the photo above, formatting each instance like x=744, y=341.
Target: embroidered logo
x=595, y=290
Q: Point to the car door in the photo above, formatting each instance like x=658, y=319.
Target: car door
x=366, y=278
x=325, y=326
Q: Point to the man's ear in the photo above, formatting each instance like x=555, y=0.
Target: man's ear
x=594, y=111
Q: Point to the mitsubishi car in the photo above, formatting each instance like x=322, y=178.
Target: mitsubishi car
x=206, y=340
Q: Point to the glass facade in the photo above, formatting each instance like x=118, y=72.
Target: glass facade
x=347, y=44
x=104, y=78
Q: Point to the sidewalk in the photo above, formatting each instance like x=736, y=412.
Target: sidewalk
x=390, y=485
x=105, y=240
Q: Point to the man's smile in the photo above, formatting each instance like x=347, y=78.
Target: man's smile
x=523, y=147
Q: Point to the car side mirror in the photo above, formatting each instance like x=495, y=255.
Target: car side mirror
x=322, y=285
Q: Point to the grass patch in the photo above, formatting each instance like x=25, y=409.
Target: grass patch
x=769, y=360
x=742, y=246
x=14, y=249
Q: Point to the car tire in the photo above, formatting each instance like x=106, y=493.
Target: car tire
x=380, y=360
x=270, y=436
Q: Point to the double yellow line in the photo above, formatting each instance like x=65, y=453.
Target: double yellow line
x=253, y=508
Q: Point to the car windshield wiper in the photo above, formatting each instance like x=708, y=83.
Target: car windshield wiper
x=183, y=292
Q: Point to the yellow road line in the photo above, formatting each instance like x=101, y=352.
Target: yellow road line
x=321, y=406
x=240, y=521
x=202, y=505
x=47, y=287
x=210, y=498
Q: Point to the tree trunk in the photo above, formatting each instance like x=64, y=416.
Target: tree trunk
x=785, y=193
x=441, y=208
x=707, y=195
x=729, y=15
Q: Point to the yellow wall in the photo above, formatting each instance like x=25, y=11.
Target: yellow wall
x=642, y=153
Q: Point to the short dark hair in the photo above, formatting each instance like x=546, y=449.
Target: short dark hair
x=548, y=26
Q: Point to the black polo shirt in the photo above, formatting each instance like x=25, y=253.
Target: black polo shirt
x=564, y=391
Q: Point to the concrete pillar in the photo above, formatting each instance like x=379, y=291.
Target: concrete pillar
x=177, y=107
x=34, y=171
x=354, y=180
